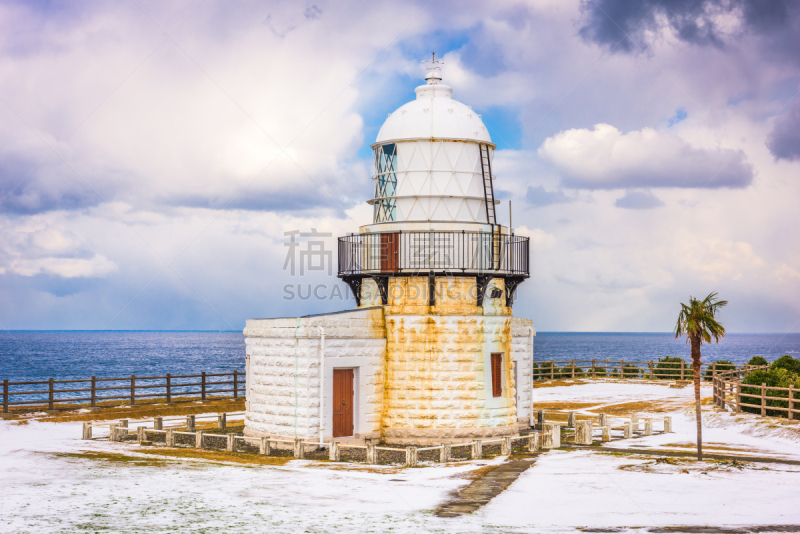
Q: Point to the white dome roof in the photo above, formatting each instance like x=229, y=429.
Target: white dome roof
x=434, y=115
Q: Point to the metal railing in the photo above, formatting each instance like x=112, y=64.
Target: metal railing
x=453, y=252
x=122, y=390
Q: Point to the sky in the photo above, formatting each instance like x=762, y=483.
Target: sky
x=156, y=157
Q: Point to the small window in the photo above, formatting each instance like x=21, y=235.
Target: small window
x=497, y=374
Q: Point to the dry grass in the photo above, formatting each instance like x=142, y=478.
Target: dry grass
x=144, y=411
x=652, y=406
x=160, y=457
x=569, y=406
x=710, y=446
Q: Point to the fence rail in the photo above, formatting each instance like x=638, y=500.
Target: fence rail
x=682, y=370
x=94, y=390
x=762, y=399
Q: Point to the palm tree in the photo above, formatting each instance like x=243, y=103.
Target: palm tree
x=698, y=322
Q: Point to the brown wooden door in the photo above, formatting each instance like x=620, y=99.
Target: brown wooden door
x=342, y=402
x=497, y=374
x=390, y=252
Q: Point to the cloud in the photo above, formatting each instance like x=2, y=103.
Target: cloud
x=539, y=196
x=605, y=158
x=96, y=266
x=784, y=140
x=638, y=200
x=631, y=26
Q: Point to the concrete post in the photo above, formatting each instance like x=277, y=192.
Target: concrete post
x=123, y=423
x=141, y=435
x=446, y=453
x=112, y=433
x=299, y=449
x=603, y=419
x=264, y=447
x=231, y=443
x=505, y=446
x=170, y=437
x=627, y=430
x=222, y=421
x=551, y=437
x=87, y=430
x=190, y=423
x=533, y=442
x=583, y=433
x=372, y=454
x=540, y=419
x=556, y=430
x=606, y=434
x=635, y=422
x=198, y=439
x=648, y=427
x=668, y=424
x=411, y=456
x=571, y=420
x=547, y=439
x=158, y=423
x=335, y=454
x=477, y=450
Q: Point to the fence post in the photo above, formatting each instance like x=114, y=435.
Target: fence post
x=169, y=389
x=552, y=369
x=540, y=419
x=158, y=423
x=335, y=454
x=87, y=430
x=372, y=454
x=505, y=446
x=682, y=365
x=606, y=434
x=411, y=454
x=583, y=433
x=603, y=419
x=50, y=404
x=648, y=427
x=667, y=424
x=190, y=423
x=723, y=386
x=573, y=367
x=738, y=397
x=299, y=449
x=533, y=442
x=94, y=391
x=222, y=421
x=446, y=453
x=622, y=367
x=235, y=384
x=198, y=439
x=133, y=390
x=231, y=443
x=170, y=438
x=5, y=395
x=264, y=447
x=763, y=398
x=203, y=387
x=627, y=430
x=477, y=449
x=593, y=373
x=652, y=371
x=791, y=402
x=571, y=420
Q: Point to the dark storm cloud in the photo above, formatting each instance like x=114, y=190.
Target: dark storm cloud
x=624, y=24
x=784, y=140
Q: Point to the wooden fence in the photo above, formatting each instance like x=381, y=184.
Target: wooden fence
x=122, y=390
x=553, y=369
x=767, y=400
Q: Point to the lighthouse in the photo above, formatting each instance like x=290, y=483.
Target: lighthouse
x=432, y=352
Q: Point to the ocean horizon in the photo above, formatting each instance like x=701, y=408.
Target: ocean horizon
x=72, y=354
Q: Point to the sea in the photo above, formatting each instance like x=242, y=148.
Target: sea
x=40, y=355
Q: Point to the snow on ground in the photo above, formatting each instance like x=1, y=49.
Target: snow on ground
x=49, y=486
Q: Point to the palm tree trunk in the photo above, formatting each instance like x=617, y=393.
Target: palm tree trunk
x=695, y=340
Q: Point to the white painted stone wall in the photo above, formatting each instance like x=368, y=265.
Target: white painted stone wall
x=522, y=333
x=284, y=371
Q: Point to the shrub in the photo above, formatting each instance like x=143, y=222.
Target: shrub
x=787, y=362
x=630, y=370
x=774, y=377
x=598, y=371
x=721, y=366
x=669, y=368
x=758, y=360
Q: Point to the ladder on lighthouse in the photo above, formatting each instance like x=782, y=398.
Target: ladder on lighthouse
x=491, y=217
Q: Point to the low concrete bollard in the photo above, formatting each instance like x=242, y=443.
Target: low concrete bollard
x=299, y=449
x=335, y=454
x=158, y=423
x=668, y=424
x=411, y=456
x=635, y=422
x=112, y=433
x=190, y=423
x=505, y=446
x=372, y=454
x=551, y=437
x=141, y=435
x=170, y=437
x=446, y=453
x=540, y=419
x=264, y=447
x=87, y=430
x=627, y=430
x=533, y=442
x=648, y=427
x=123, y=423
x=606, y=434
x=583, y=433
x=477, y=450
x=571, y=420
x=231, y=443
x=222, y=421
x=198, y=439
x=603, y=419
